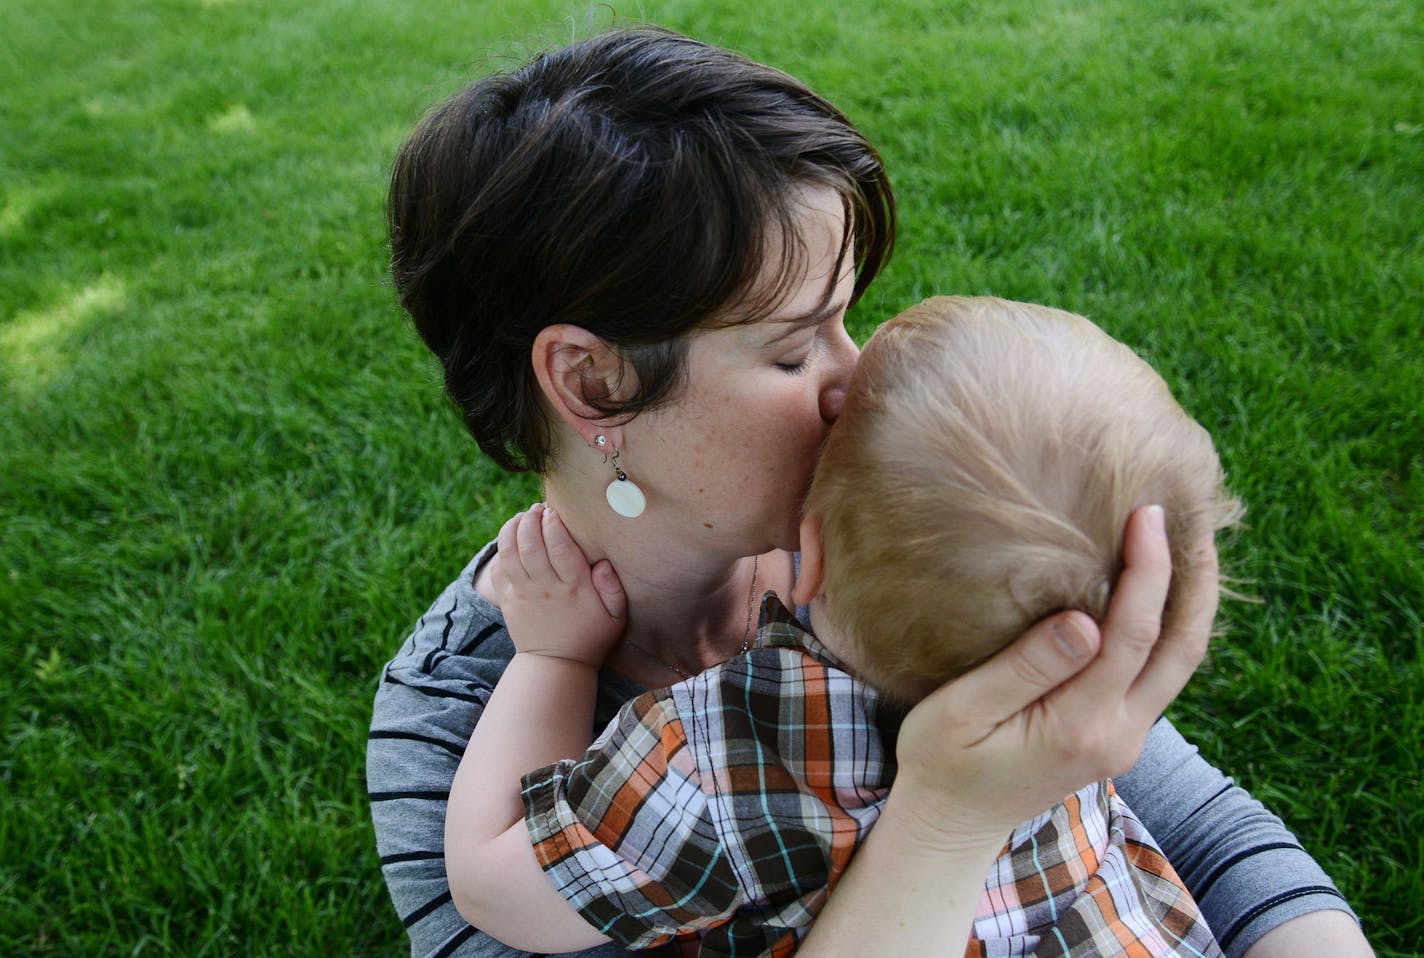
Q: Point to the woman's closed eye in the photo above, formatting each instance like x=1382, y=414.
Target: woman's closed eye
x=795, y=355
x=794, y=351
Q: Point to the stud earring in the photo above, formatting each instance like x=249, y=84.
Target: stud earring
x=623, y=494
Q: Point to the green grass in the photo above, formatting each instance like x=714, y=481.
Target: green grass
x=228, y=483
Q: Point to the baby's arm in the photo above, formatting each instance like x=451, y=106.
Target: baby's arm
x=563, y=618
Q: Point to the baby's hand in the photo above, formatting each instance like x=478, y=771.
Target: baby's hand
x=553, y=603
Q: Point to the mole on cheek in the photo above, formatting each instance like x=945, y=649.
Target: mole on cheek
x=706, y=525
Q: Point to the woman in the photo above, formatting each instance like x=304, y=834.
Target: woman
x=633, y=259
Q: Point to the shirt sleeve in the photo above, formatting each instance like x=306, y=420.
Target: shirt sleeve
x=1248, y=873
x=625, y=834
x=427, y=703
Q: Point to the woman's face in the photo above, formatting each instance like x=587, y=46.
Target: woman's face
x=731, y=459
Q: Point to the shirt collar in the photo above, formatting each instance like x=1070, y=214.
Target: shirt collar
x=780, y=629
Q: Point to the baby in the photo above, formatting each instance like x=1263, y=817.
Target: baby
x=979, y=478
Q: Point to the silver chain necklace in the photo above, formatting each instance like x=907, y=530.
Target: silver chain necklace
x=746, y=634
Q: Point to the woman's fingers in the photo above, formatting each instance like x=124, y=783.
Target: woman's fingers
x=1035, y=664
x=1063, y=705
x=1132, y=624
x=1134, y=619
x=1104, y=713
x=990, y=749
x=1182, y=647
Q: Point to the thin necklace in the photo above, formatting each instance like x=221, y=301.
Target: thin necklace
x=746, y=633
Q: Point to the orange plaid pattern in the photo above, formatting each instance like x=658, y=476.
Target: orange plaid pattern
x=715, y=816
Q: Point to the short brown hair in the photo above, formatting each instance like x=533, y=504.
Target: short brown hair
x=981, y=475
x=632, y=184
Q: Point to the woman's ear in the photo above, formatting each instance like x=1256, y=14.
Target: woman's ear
x=576, y=370
x=813, y=563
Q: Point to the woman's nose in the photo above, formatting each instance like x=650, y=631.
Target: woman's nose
x=843, y=354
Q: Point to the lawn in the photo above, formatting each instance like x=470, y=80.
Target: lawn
x=229, y=484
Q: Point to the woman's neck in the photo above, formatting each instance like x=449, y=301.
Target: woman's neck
x=690, y=604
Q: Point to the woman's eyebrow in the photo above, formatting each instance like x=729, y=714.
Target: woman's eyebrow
x=795, y=324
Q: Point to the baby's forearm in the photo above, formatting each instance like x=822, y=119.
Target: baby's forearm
x=540, y=711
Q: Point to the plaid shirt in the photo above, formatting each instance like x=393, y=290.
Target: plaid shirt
x=718, y=814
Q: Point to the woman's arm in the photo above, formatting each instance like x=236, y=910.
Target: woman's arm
x=1329, y=932
x=1007, y=740
x=562, y=617
x=429, y=696
x=1248, y=873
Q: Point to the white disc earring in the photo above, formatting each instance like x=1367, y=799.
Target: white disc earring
x=624, y=495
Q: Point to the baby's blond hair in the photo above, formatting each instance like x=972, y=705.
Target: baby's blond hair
x=981, y=476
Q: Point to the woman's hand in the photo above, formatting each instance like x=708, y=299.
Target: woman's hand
x=1059, y=708
x=553, y=603
x=1047, y=715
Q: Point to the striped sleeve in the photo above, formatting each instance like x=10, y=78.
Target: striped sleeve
x=1246, y=870
x=427, y=703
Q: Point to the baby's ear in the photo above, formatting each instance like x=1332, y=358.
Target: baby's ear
x=813, y=567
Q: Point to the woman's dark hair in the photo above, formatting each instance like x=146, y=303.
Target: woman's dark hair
x=632, y=184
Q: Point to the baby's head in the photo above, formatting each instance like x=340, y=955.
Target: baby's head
x=980, y=478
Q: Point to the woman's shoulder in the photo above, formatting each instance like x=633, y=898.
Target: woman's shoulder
x=429, y=697
x=461, y=638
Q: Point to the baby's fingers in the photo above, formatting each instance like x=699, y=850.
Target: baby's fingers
x=530, y=537
x=610, y=590
x=506, y=565
x=565, y=556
